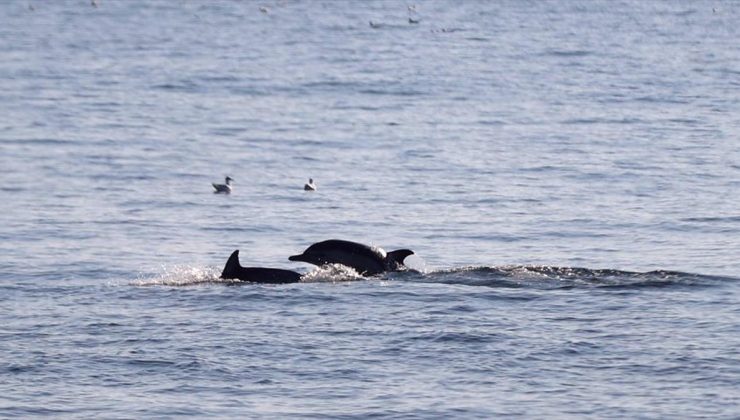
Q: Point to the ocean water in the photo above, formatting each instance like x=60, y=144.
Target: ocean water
x=567, y=173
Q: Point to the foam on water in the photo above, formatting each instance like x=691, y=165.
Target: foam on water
x=183, y=275
x=332, y=273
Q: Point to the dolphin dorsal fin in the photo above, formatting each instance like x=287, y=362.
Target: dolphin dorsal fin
x=397, y=256
x=232, y=267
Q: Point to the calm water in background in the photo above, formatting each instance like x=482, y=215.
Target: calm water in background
x=507, y=143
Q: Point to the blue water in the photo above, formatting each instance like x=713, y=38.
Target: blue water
x=568, y=174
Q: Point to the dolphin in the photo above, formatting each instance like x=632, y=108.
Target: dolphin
x=234, y=270
x=365, y=259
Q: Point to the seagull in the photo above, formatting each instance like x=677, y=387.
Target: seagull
x=223, y=188
x=310, y=186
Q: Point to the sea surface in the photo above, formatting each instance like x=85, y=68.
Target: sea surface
x=567, y=173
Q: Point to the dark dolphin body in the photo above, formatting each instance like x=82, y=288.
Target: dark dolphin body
x=234, y=270
x=364, y=259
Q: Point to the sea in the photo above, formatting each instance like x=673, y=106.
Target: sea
x=567, y=174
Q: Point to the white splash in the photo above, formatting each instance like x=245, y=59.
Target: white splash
x=182, y=275
x=331, y=273
x=416, y=263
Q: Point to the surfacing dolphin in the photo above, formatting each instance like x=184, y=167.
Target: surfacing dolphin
x=365, y=259
x=234, y=270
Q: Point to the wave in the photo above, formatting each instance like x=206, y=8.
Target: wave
x=568, y=53
x=519, y=276
x=184, y=275
x=550, y=277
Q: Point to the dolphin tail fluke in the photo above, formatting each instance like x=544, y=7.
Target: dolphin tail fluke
x=232, y=267
x=396, y=257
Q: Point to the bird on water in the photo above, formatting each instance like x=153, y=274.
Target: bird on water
x=223, y=188
x=310, y=186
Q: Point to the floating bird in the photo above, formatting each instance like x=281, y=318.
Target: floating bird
x=223, y=188
x=374, y=24
x=413, y=21
x=310, y=186
x=264, y=9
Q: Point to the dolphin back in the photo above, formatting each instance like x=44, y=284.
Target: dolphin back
x=366, y=260
x=269, y=275
x=234, y=270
